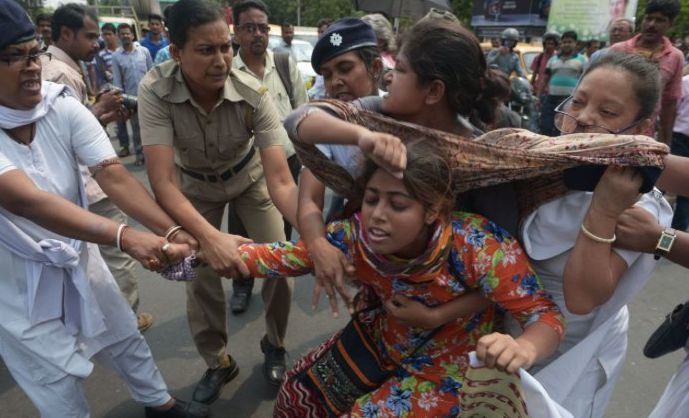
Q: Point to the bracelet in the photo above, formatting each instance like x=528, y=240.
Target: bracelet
x=172, y=231
x=595, y=237
x=120, y=234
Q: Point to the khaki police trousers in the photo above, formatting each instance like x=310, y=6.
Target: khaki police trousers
x=206, y=302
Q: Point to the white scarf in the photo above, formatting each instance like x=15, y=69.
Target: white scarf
x=13, y=118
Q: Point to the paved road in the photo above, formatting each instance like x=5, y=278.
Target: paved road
x=249, y=396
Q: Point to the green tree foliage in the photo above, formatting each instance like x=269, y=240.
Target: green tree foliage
x=311, y=10
x=462, y=9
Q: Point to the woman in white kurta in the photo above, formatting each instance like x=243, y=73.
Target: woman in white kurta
x=570, y=241
x=59, y=304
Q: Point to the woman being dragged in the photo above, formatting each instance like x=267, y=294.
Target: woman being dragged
x=427, y=90
x=404, y=242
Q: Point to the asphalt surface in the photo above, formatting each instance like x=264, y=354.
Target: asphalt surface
x=249, y=395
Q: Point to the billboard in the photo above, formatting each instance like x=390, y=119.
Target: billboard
x=507, y=13
x=589, y=18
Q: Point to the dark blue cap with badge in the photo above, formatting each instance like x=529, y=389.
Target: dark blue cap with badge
x=15, y=23
x=345, y=35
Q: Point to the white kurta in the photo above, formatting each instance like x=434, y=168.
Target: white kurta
x=582, y=373
x=46, y=350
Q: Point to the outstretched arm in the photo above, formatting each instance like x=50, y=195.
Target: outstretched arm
x=20, y=196
x=276, y=259
x=329, y=263
x=638, y=230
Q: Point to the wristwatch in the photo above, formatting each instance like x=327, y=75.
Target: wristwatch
x=664, y=245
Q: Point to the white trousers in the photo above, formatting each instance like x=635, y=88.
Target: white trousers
x=132, y=360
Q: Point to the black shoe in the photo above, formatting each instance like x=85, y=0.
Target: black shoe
x=208, y=389
x=241, y=295
x=274, y=366
x=139, y=160
x=181, y=409
x=124, y=152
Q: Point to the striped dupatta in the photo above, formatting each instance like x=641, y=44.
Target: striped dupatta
x=535, y=163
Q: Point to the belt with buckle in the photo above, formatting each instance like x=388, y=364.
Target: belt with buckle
x=213, y=178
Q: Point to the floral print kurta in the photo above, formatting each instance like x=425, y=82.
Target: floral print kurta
x=481, y=257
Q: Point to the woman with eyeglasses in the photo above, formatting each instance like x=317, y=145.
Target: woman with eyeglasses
x=572, y=243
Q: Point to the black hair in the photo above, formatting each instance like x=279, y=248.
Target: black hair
x=427, y=176
x=71, y=16
x=189, y=14
x=155, y=16
x=324, y=21
x=668, y=8
x=646, y=85
x=44, y=17
x=244, y=5
x=108, y=26
x=124, y=25
x=287, y=24
x=430, y=46
x=569, y=34
x=369, y=55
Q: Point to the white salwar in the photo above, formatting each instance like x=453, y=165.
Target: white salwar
x=581, y=375
x=59, y=303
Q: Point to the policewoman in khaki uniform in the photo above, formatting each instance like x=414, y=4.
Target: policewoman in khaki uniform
x=211, y=137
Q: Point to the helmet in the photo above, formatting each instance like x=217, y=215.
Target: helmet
x=551, y=36
x=510, y=34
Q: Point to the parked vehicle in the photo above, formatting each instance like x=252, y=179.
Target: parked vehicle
x=302, y=51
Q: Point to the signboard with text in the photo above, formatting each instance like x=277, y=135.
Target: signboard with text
x=589, y=18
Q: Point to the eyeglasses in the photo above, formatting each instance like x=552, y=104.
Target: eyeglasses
x=568, y=124
x=15, y=60
x=253, y=27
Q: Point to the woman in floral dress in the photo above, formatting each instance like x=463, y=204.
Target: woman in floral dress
x=405, y=242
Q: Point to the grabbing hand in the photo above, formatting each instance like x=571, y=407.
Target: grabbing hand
x=617, y=190
x=220, y=252
x=108, y=107
x=330, y=267
x=386, y=150
x=637, y=230
x=411, y=313
x=504, y=353
x=183, y=237
x=152, y=251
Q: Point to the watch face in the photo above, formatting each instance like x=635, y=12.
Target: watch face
x=665, y=242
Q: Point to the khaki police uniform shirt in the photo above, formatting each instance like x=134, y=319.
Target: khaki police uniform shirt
x=244, y=116
x=278, y=92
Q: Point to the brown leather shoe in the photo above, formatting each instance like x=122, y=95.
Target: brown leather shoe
x=144, y=320
x=124, y=152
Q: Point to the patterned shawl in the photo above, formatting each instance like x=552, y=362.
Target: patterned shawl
x=535, y=163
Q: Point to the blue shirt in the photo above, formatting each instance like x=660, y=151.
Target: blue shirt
x=162, y=56
x=152, y=47
x=129, y=68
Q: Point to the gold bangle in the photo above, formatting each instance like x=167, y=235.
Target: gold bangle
x=596, y=238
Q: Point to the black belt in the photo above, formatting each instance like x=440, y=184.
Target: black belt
x=213, y=178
